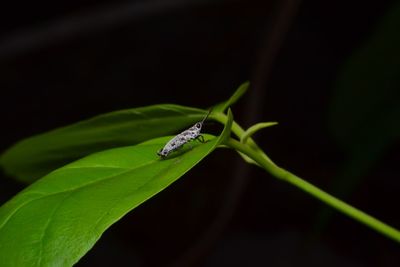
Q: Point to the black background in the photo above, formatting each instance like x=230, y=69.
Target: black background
x=64, y=61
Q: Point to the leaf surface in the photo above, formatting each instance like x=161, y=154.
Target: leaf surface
x=36, y=156
x=57, y=219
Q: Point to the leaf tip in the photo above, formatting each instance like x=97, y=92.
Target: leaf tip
x=221, y=107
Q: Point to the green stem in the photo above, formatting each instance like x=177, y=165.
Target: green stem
x=276, y=171
x=239, y=132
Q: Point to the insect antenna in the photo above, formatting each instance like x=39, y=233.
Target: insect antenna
x=209, y=112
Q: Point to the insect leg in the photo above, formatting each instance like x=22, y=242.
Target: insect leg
x=201, y=138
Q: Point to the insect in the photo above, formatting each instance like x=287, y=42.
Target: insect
x=184, y=137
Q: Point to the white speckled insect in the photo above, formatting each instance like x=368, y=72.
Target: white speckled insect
x=184, y=137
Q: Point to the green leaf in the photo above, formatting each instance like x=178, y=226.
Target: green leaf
x=36, y=156
x=56, y=220
x=248, y=133
x=221, y=107
x=255, y=128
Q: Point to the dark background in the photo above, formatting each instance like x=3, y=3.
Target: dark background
x=64, y=61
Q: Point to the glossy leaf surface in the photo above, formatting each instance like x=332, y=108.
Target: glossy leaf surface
x=56, y=220
x=36, y=156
